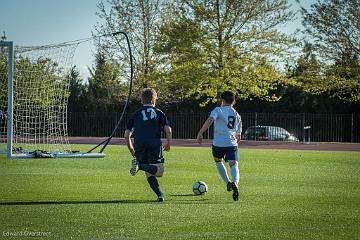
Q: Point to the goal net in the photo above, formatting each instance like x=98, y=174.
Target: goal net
x=33, y=101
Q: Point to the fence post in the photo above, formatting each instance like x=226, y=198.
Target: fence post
x=303, y=127
x=352, y=127
x=256, y=116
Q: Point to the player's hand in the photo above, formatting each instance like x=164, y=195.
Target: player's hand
x=166, y=147
x=238, y=138
x=199, y=138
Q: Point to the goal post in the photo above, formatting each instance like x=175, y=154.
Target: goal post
x=34, y=94
x=8, y=115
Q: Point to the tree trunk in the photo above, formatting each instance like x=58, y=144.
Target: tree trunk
x=220, y=40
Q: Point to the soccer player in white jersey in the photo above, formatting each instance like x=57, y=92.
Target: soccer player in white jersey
x=227, y=134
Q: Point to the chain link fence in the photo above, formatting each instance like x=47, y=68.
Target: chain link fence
x=305, y=127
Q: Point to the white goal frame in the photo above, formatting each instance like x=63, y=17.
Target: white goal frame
x=10, y=96
x=9, y=45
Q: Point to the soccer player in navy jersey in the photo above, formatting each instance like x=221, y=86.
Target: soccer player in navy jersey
x=146, y=126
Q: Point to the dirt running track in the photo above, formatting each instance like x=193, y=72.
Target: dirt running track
x=243, y=144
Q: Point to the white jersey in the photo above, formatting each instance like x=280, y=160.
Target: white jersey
x=227, y=124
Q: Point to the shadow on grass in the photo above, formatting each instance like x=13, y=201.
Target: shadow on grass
x=76, y=202
x=194, y=198
x=66, y=202
x=184, y=195
x=174, y=198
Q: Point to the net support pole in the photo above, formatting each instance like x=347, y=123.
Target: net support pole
x=10, y=97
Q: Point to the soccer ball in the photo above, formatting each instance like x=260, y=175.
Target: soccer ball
x=200, y=188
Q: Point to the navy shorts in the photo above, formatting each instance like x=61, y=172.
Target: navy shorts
x=149, y=151
x=227, y=153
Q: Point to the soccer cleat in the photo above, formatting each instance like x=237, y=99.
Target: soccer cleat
x=160, y=199
x=229, y=186
x=134, y=167
x=235, y=191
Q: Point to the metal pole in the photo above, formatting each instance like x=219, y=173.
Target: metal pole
x=303, y=127
x=256, y=116
x=352, y=128
x=10, y=97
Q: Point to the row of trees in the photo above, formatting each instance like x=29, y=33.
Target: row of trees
x=191, y=50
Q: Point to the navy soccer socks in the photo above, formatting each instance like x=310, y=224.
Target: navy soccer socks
x=152, y=169
x=154, y=184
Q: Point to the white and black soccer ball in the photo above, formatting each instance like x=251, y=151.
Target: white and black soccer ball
x=200, y=188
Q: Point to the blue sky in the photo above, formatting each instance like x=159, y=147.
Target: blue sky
x=36, y=22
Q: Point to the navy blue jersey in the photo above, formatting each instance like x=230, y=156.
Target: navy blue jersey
x=147, y=123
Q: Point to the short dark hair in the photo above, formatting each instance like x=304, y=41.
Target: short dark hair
x=228, y=97
x=147, y=95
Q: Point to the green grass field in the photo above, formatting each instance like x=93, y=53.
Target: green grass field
x=283, y=195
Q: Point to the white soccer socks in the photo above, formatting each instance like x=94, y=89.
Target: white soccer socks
x=235, y=173
x=222, y=171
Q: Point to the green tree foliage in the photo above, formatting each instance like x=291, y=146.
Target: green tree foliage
x=78, y=98
x=334, y=26
x=344, y=78
x=191, y=50
x=305, y=88
x=215, y=45
x=106, y=88
x=306, y=74
x=138, y=18
x=182, y=60
x=3, y=74
x=38, y=82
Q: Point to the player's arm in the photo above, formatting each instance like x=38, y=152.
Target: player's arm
x=129, y=143
x=239, y=130
x=238, y=137
x=127, y=136
x=167, y=129
x=205, y=127
x=168, y=133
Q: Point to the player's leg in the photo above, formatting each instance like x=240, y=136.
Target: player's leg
x=154, y=185
x=143, y=153
x=140, y=156
x=134, y=167
x=153, y=157
x=233, y=159
x=223, y=173
x=218, y=154
x=153, y=182
x=148, y=168
x=235, y=174
x=155, y=168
